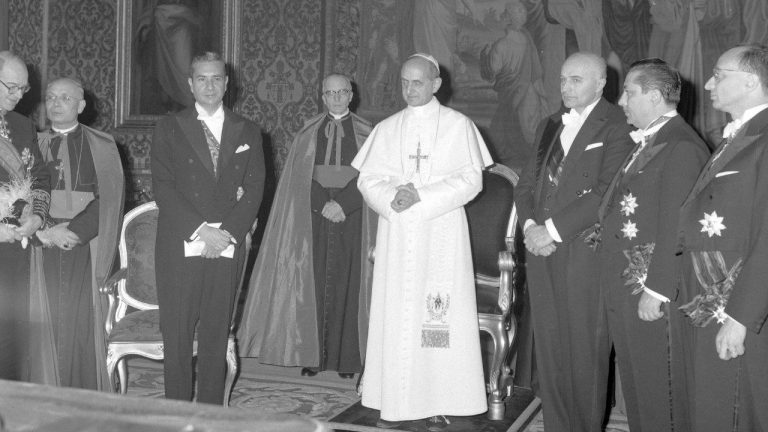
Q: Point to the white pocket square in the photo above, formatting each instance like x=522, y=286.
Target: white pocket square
x=242, y=148
x=593, y=146
x=725, y=173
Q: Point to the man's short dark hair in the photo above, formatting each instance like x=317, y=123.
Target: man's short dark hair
x=656, y=74
x=206, y=57
x=754, y=59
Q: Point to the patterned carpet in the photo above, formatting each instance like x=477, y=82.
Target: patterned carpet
x=284, y=390
x=321, y=397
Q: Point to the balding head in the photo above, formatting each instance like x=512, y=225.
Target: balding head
x=582, y=79
x=13, y=74
x=64, y=102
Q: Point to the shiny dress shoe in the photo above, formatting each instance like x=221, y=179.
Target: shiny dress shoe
x=308, y=372
x=347, y=375
x=437, y=423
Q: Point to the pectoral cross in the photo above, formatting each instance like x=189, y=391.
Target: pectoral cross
x=418, y=156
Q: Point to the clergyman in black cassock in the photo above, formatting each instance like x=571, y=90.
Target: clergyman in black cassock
x=80, y=236
x=312, y=310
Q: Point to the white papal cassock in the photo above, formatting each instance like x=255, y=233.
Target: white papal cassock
x=423, y=354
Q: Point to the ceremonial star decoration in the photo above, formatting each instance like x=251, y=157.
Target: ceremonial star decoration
x=712, y=224
x=628, y=204
x=630, y=230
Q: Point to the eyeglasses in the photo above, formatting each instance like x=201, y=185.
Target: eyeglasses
x=342, y=92
x=719, y=77
x=13, y=89
x=66, y=99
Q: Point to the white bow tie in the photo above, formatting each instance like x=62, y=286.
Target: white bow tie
x=637, y=136
x=216, y=116
x=732, y=128
x=571, y=118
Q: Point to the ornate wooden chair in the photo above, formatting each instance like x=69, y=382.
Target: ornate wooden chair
x=492, y=221
x=136, y=331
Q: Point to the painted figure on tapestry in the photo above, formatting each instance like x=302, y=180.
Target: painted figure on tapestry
x=309, y=293
x=24, y=200
x=512, y=65
x=638, y=246
x=417, y=170
x=724, y=236
x=578, y=151
x=208, y=180
x=80, y=235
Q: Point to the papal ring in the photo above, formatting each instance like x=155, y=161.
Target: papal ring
x=66, y=245
x=400, y=202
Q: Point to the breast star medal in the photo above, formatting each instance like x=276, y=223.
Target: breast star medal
x=712, y=224
x=630, y=230
x=628, y=204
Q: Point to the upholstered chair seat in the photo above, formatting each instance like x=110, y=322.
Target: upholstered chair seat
x=133, y=320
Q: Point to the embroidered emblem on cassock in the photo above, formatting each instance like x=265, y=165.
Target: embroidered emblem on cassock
x=636, y=273
x=712, y=224
x=434, y=332
x=628, y=204
x=630, y=230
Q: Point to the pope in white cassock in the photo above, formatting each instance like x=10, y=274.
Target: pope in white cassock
x=417, y=170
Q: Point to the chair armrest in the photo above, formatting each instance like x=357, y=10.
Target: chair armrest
x=110, y=290
x=110, y=286
x=506, y=279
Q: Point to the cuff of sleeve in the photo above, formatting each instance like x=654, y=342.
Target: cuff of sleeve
x=194, y=235
x=528, y=223
x=41, y=202
x=656, y=295
x=552, y=230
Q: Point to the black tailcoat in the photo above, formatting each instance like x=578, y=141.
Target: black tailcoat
x=647, y=197
x=735, y=186
x=193, y=290
x=563, y=287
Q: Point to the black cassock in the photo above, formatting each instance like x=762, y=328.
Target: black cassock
x=68, y=273
x=336, y=252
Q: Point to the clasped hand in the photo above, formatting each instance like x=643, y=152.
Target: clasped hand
x=30, y=223
x=216, y=240
x=59, y=236
x=406, y=196
x=333, y=212
x=538, y=241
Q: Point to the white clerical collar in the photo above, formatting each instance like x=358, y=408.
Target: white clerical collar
x=65, y=131
x=202, y=114
x=339, y=116
x=427, y=109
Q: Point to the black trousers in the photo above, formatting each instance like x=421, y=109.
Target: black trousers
x=199, y=295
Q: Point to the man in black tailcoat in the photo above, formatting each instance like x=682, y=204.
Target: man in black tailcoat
x=578, y=153
x=208, y=180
